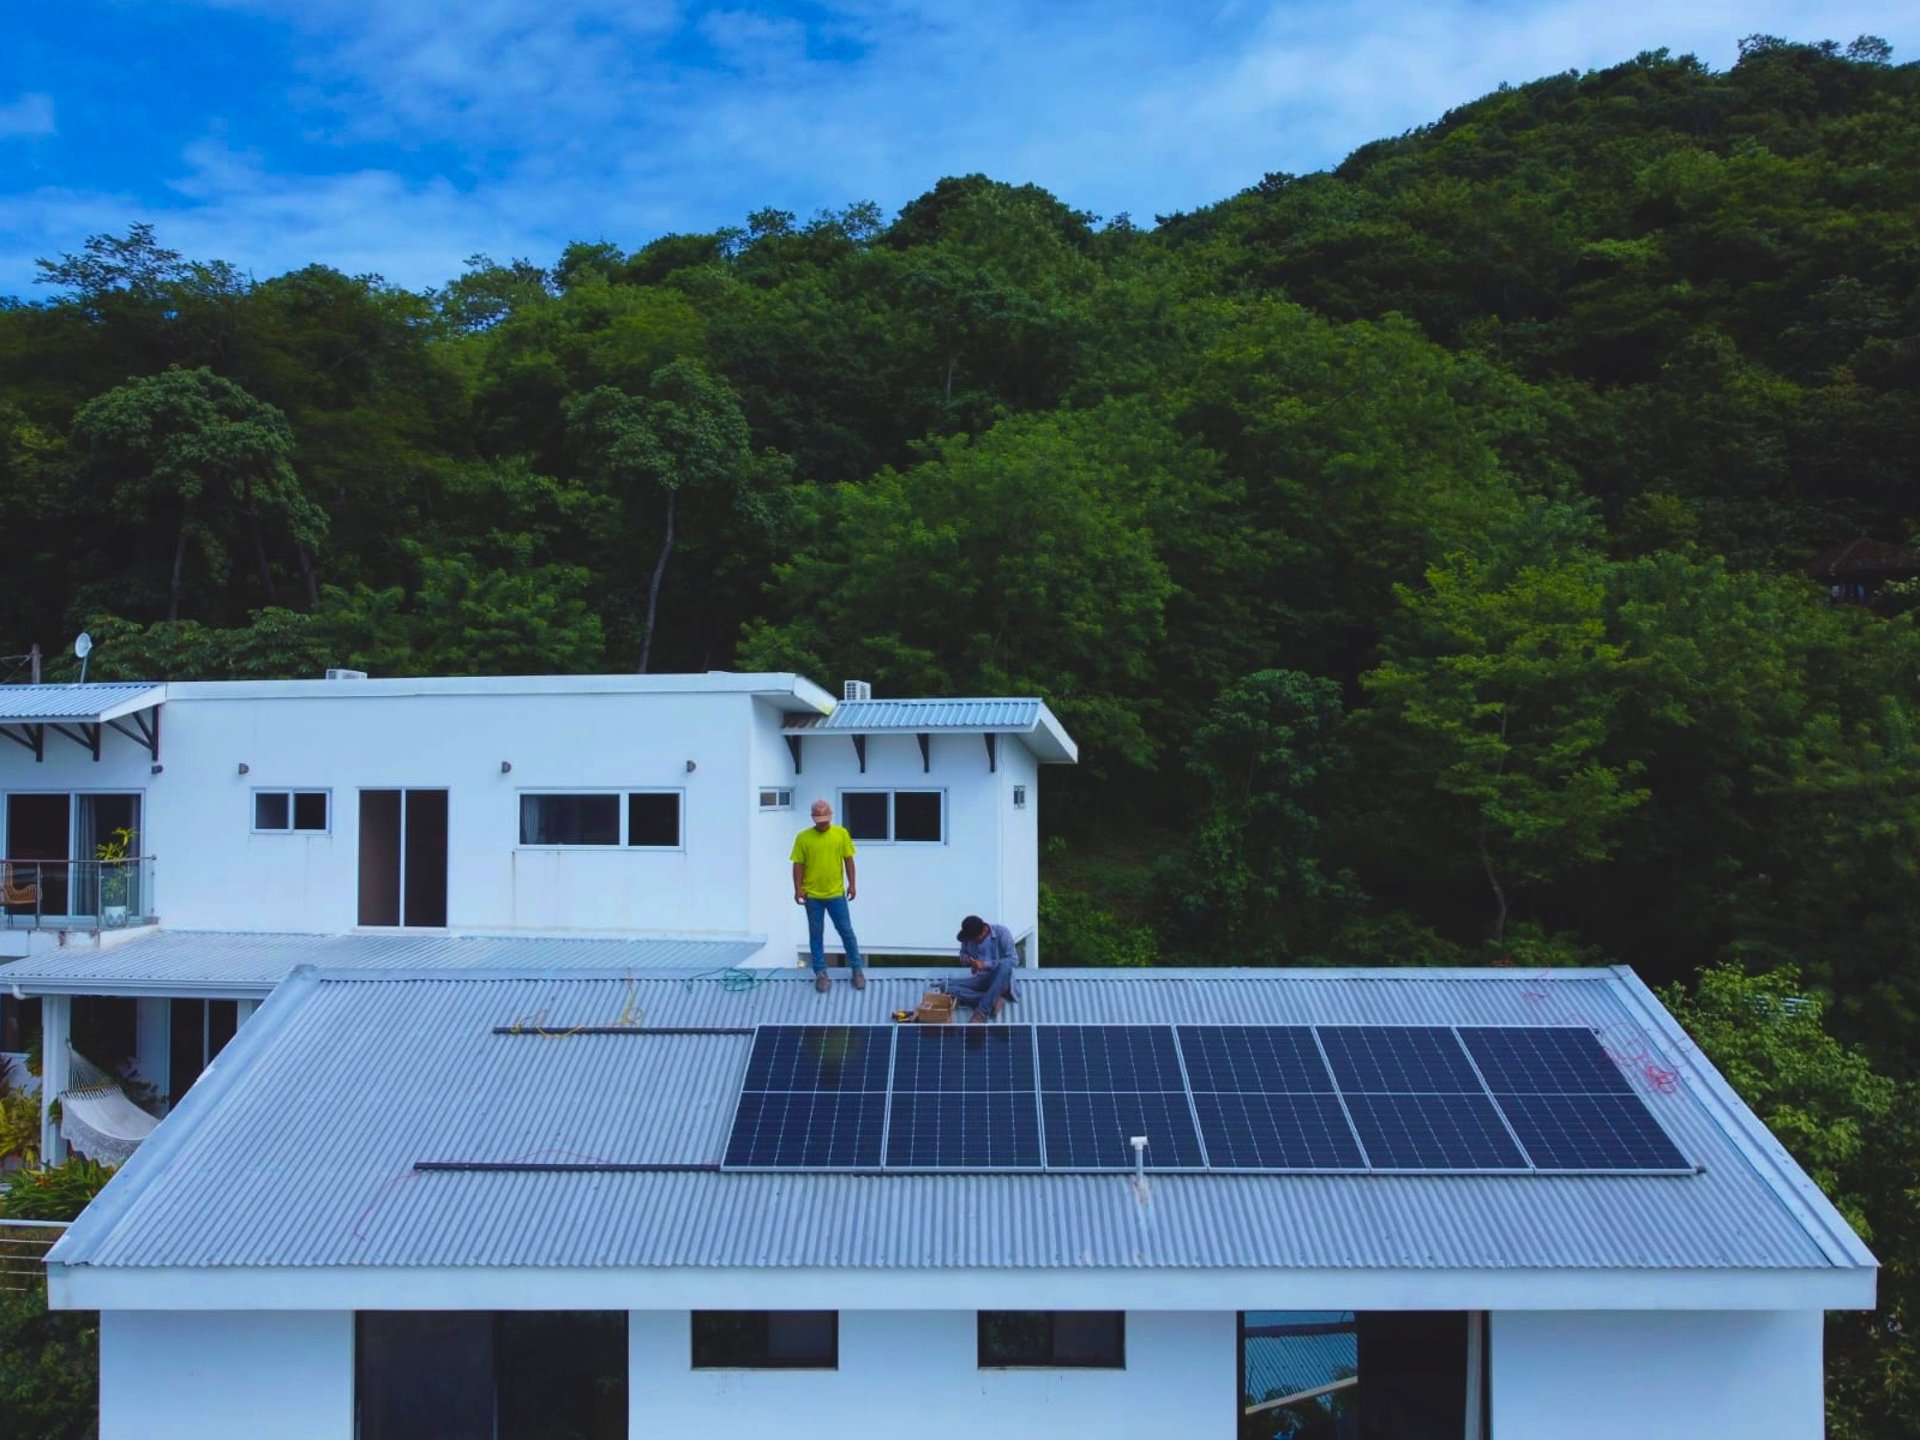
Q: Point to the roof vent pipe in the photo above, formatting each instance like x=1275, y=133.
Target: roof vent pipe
x=852, y=690
x=1139, y=1143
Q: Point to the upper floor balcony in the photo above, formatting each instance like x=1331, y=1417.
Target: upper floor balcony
x=77, y=894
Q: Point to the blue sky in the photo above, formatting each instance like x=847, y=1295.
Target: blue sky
x=401, y=136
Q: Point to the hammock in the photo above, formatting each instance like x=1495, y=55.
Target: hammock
x=96, y=1117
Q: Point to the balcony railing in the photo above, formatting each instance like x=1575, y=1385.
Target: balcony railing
x=23, y=1251
x=77, y=894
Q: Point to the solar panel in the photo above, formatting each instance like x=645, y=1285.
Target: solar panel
x=973, y=1130
x=819, y=1057
x=1433, y=1132
x=1398, y=1060
x=807, y=1130
x=1090, y=1130
x=814, y=1098
x=1109, y=1058
x=964, y=1058
x=1541, y=1060
x=1264, y=1059
x=1248, y=1131
x=1568, y=1102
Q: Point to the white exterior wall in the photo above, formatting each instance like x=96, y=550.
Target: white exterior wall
x=913, y=896
x=214, y=873
x=1020, y=842
x=226, y=1375
x=914, y=1372
x=1658, y=1375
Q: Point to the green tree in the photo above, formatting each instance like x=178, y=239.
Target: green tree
x=199, y=459
x=1500, y=691
x=686, y=436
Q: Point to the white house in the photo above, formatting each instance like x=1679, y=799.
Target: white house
x=600, y=823
x=1459, y=1204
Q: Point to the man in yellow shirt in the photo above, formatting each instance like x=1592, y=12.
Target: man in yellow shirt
x=818, y=856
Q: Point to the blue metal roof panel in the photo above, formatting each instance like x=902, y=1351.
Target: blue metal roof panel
x=210, y=960
x=76, y=704
x=871, y=715
x=304, y=1154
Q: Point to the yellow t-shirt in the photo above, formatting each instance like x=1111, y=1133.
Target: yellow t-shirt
x=821, y=853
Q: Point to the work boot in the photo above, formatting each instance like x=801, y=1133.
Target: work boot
x=821, y=982
x=859, y=978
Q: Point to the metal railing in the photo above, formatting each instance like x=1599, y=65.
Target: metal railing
x=77, y=894
x=23, y=1251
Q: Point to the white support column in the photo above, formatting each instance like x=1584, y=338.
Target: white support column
x=56, y=1035
x=153, y=1040
x=242, y=1010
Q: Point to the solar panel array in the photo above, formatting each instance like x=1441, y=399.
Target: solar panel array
x=1242, y=1098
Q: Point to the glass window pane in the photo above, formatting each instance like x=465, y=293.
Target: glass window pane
x=766, y=1340
x=310, y=810
x=1089, y=1338
x=916, y=815
x=864, y=813
x=1015, y=1337
x=653, y=819
x=809, y=1338
x=569, y=819
x=424, y=1375
x=561, y=1374
x=271, y=810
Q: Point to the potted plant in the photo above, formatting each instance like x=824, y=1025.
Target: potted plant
x=116, y=875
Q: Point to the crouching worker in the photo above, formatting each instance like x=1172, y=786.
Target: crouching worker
x=988, y=952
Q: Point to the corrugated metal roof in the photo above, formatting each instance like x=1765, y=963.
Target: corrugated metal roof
x=1313, y=1353
x=76, y=704
x=871, y=715
x=301, y=1152
x=1028, y=718
x=192, y=960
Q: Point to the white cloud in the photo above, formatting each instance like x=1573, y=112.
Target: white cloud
x=31, y=114
x=620, y=119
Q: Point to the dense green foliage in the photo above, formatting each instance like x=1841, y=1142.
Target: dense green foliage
x=49, y=1367
x=59, y=1192
x=1417, y=549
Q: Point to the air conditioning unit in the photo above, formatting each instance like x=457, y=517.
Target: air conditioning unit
x=346, y=674
x=852, y=690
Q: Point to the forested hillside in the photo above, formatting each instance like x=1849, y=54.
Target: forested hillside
x=1418, y=549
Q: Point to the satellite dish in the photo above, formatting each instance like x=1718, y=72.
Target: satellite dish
x=82, y=645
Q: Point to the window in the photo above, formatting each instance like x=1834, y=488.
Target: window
x=649, y=819
x=1398, y=1373
x=906, y=816
x=776, y=799
x=280, y=812
x=653, y=819
x=1053, y=1339
x=475, y=1375
x=766, y=1340
x=1019, y=797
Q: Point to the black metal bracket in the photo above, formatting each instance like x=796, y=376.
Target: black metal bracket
x=88, y=739
x=148, y=735
x=926, y=753
x=28, y=737
x=793, y=745
x=860, y=749
x=993, y=753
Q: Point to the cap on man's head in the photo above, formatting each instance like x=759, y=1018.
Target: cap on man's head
x=971, y=928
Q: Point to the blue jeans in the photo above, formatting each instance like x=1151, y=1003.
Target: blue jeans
x=818, y=913
x=982, y=989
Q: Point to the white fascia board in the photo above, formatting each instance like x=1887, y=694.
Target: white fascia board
x=712, y=682
x=145, y=989
x=82, y=1287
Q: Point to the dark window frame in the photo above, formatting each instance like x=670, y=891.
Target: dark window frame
x=500, y=1381
x=1051, y=1360
x=292, y=795
x=765, y=1360
x=622, y=798
x=892, y=794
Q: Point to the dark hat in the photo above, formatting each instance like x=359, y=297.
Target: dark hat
x=971, y=928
